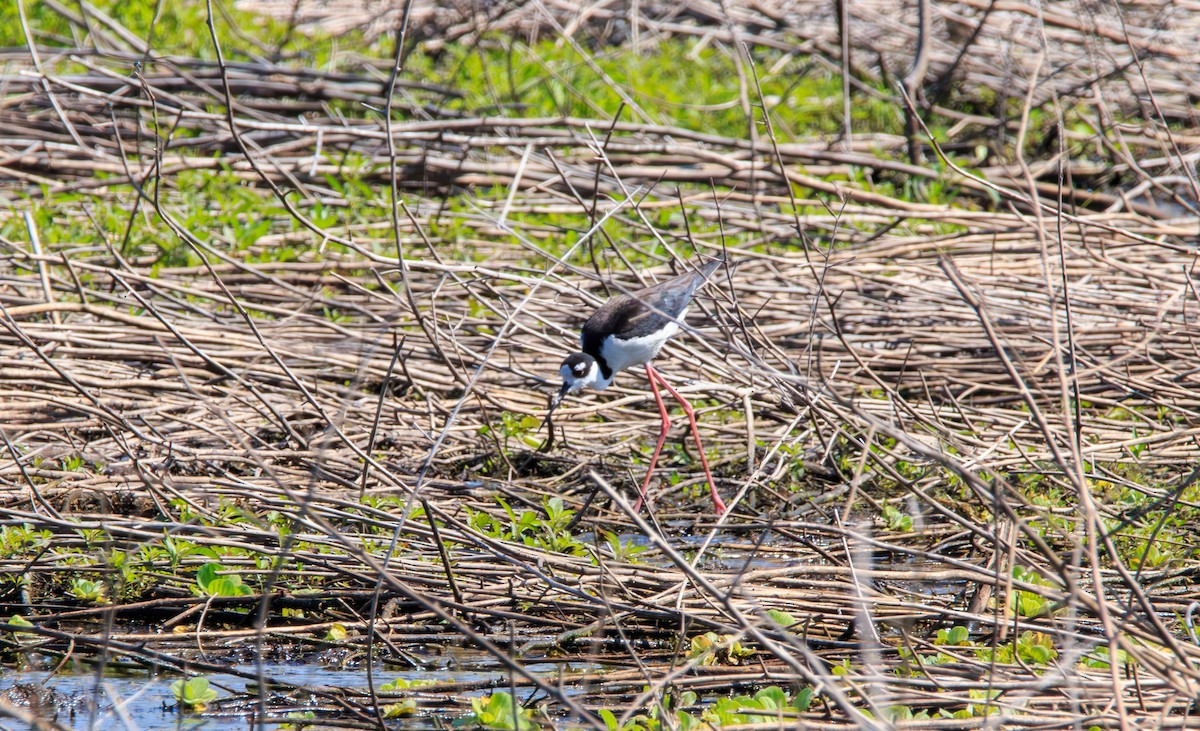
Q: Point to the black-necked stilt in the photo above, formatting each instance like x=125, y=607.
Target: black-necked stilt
x=627, y=331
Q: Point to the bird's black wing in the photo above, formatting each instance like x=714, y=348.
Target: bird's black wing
x=645, y=311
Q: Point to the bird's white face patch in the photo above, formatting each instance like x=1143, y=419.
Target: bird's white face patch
x=583, y=375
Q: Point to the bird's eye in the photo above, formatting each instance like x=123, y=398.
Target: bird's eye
x=580, y=370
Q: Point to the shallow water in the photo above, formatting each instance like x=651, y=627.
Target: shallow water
x=90, y=703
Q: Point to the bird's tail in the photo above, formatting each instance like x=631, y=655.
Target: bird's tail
x=708, y=269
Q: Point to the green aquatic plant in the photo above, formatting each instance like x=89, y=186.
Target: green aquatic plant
x=896, y=520
x=497, y=712
x=550, y=533
x=210, y=583
x=337, y=633
x=89, y=590
x=399, y=685
x=621, y=550
x=194, y=694
x=770, y=704
x=783, y=619
x=297, y=720
x=401, y=709
x=713, y=649
x=1031, y=648
x=514, y=427
x=17, y=620
x=16, y=540
x=1029, y=603
x=1100, y=658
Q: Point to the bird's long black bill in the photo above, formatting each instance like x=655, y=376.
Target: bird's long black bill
x=554, y=402
x=558, y=399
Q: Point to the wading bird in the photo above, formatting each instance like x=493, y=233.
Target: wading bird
x=627, y=331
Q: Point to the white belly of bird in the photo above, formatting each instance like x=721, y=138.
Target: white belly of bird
x=621, y=354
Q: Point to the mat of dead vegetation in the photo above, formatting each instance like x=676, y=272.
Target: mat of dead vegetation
x=959, y=439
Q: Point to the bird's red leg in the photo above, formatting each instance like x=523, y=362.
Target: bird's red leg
x=653, y=374
x=662, y=435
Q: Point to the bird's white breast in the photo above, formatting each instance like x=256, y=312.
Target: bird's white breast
x=621, y=354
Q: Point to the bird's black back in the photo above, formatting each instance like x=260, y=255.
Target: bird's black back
x=645, y=311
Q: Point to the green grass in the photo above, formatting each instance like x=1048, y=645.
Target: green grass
x=682, y=83
x=677, y=83
x=169, y=28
